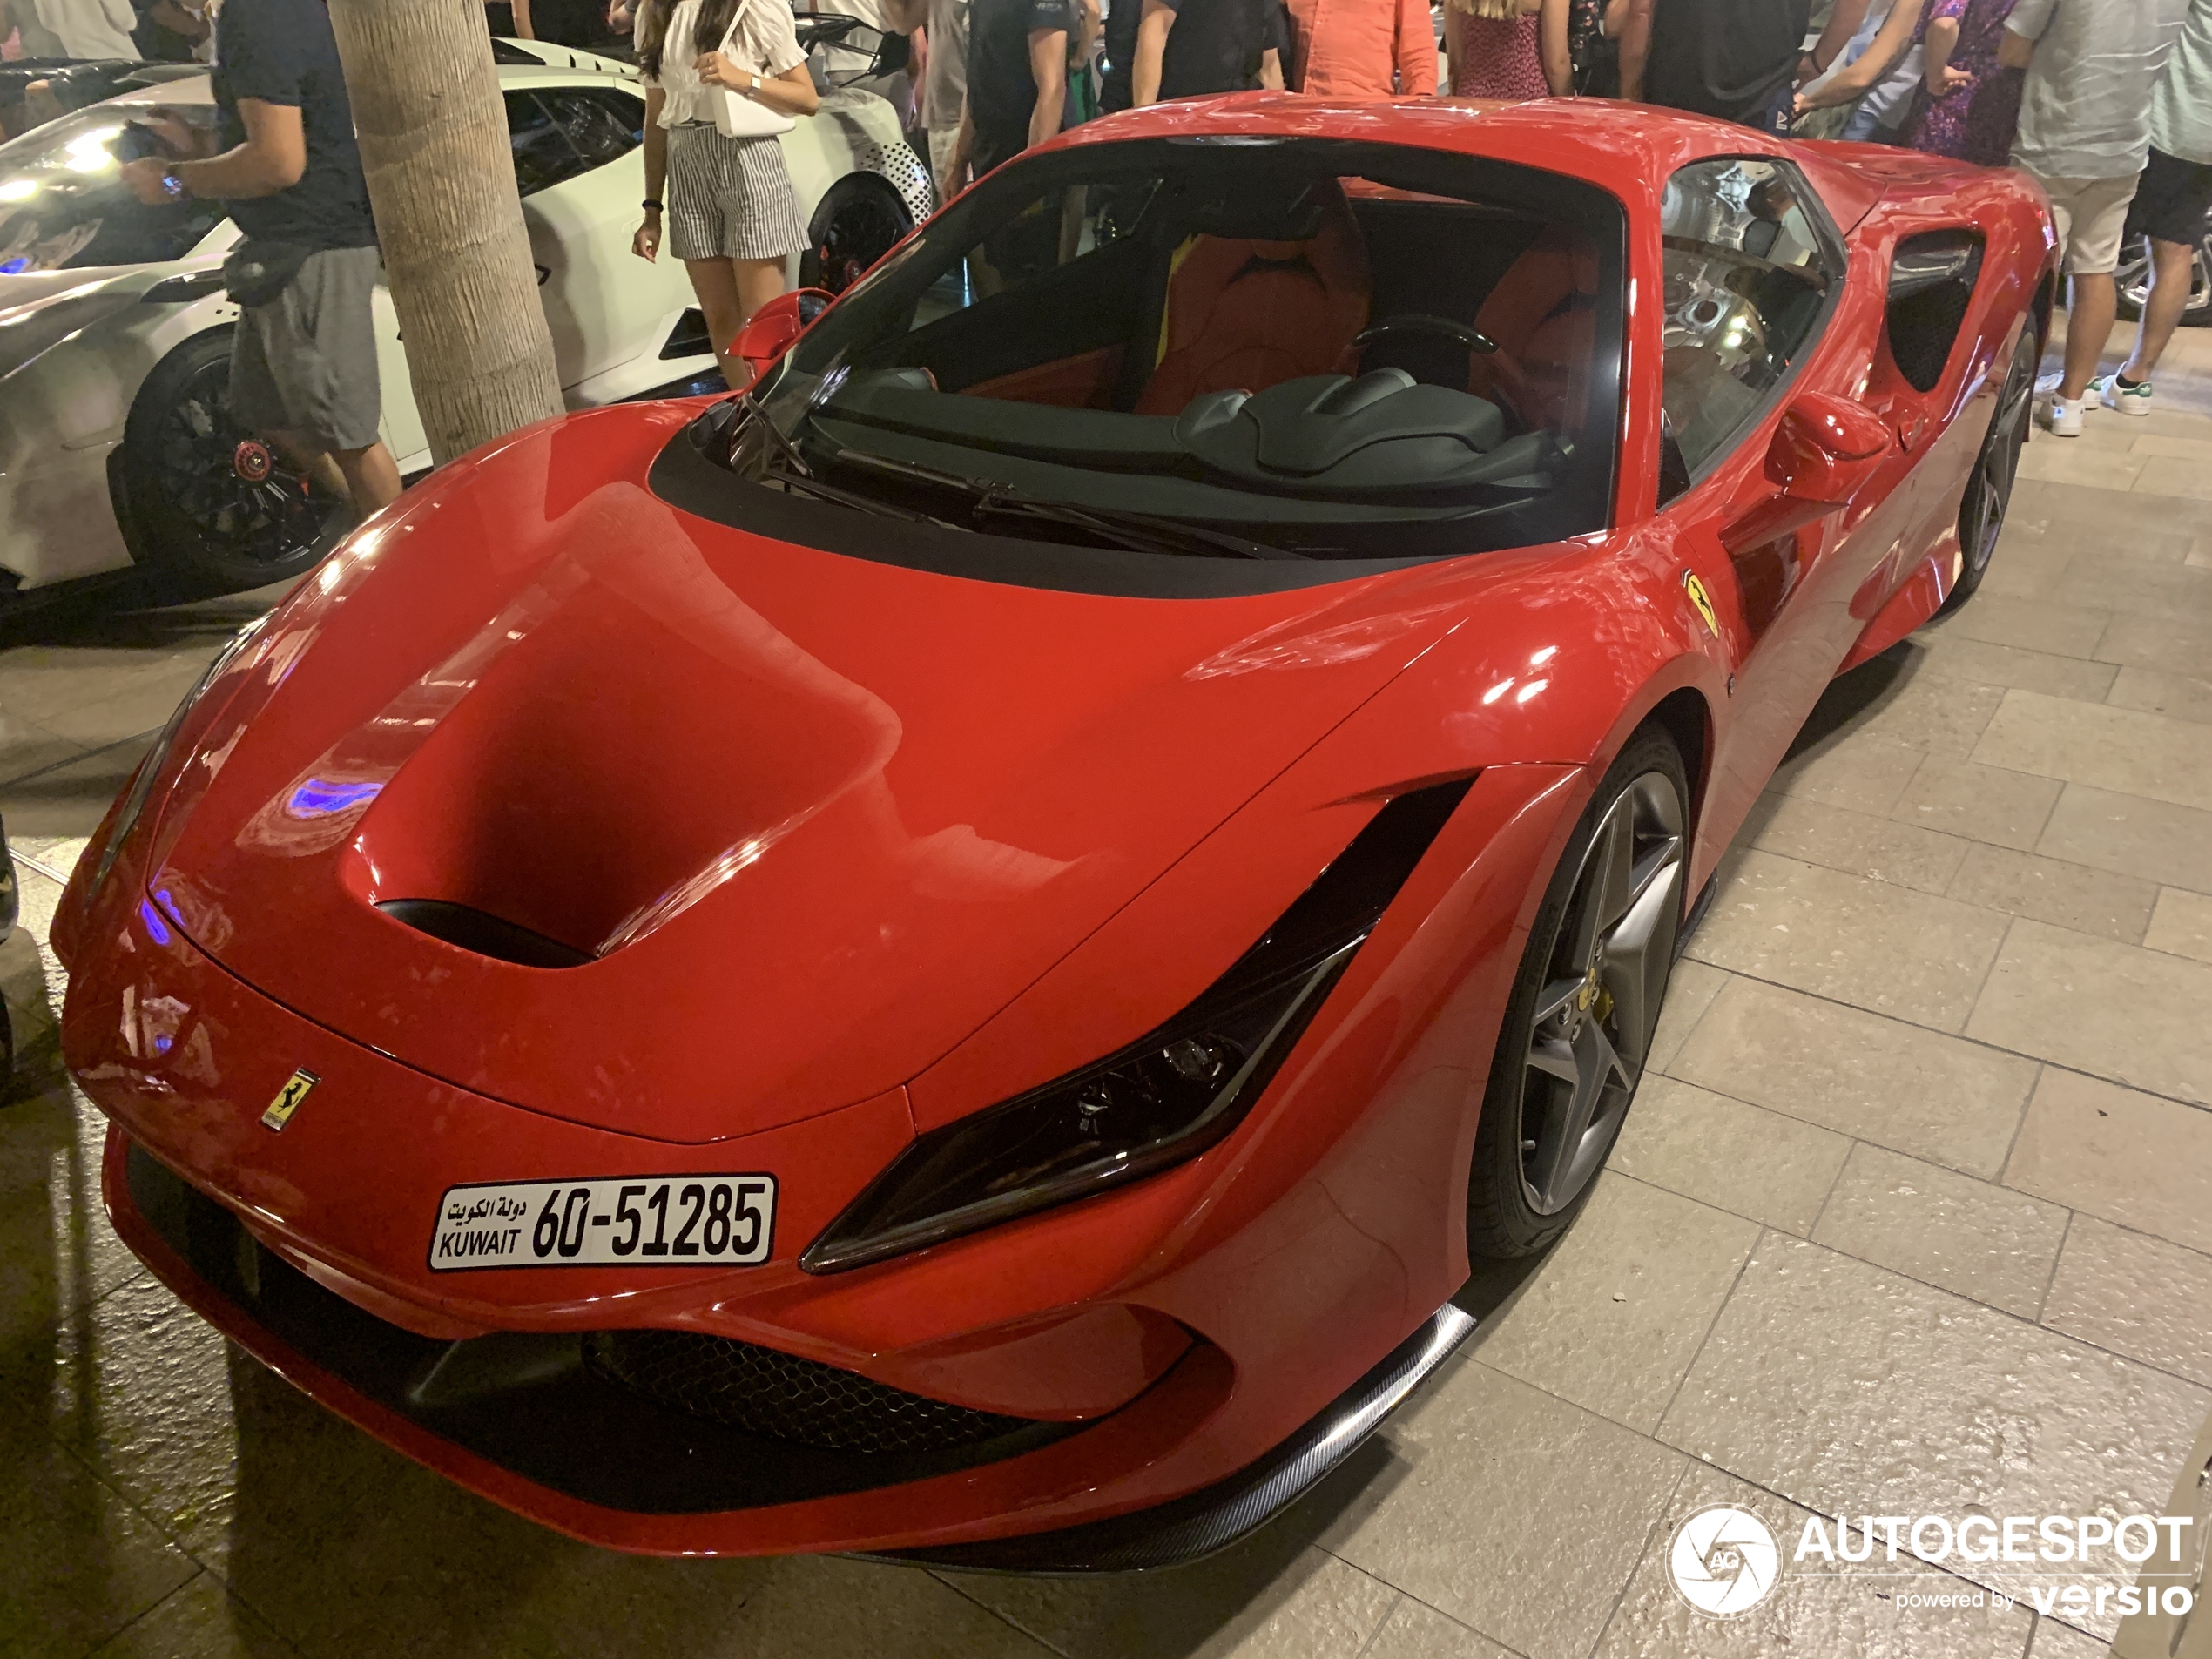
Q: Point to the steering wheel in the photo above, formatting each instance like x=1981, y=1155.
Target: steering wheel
x=1421, y=322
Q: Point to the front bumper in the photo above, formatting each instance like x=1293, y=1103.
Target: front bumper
x=523, y=1416
x=1206, y=1339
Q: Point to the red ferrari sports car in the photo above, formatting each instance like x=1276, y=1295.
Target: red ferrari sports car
x=953, y=956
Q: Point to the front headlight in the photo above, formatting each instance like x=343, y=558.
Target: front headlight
x=1167, y=1096
x=142, y=781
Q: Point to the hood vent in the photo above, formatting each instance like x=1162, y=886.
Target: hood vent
x=469, y=929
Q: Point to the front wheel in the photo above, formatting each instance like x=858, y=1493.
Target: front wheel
x=216, y=508
x=1989, y=490
x=1579, y=1023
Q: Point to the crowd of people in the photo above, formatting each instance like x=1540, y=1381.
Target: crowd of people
x=2107, y=103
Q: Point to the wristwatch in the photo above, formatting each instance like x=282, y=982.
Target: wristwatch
x=172, y=186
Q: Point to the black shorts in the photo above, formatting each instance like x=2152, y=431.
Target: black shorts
x=2171, y=200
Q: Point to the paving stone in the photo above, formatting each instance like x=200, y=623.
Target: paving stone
x=2134, y=1295
x=1849, y=1389
x=2138, y=1159
x=1266, y=1597
x=1510, y=1511
x=1855, y=940
x=1876, y=1079
x=1612, y=1318
x=2095, y=1005
x=1771, y=1167
x=1986, y=1242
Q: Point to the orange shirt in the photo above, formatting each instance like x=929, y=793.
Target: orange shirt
x=1346, y=48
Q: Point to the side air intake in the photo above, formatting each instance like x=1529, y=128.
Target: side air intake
x=1932, y=280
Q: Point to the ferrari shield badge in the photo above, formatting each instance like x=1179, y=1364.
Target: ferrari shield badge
x=1698, y=597
x=297, y=1087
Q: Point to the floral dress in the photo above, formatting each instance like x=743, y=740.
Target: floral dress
x=1495, y=58
x=1974, y=122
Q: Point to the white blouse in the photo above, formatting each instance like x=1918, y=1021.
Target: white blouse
x=762, y=39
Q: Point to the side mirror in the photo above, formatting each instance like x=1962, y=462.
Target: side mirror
x=1823, y=453
x=769, y=332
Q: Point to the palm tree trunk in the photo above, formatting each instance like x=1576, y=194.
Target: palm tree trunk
x=434, y=145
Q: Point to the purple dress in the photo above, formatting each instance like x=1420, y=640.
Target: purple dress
x=1974, y=122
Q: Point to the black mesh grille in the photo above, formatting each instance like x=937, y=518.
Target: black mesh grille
x=784, y=1398
x=1925, y=325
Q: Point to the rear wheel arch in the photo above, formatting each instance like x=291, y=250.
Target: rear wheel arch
x=857, y=220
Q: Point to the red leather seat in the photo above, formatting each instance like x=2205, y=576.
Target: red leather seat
x=1249, y=314
x=1543, y=314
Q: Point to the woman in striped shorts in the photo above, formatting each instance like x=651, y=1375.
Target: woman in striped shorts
x=734, y=216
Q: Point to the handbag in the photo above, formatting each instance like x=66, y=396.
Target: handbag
x=736, y=115
x=257, y=270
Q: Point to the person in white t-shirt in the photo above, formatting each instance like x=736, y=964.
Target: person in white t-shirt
x=86, y=28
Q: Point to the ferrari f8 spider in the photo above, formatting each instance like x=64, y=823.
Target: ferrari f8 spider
x=954, y=956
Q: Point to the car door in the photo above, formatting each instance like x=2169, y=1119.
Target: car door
x=1754, y=273
x=579, y=167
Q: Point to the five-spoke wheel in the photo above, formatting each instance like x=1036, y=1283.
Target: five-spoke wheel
x=1579, y=1024
x=1989, y=490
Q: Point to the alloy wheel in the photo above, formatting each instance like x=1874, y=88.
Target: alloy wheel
x=238, y=496
x=1989, y=490
x=1594, y=1016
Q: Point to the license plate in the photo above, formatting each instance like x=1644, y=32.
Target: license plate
x=624, y=1221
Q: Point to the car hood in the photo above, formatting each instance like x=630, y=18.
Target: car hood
x=812, y=817
x=40, y=310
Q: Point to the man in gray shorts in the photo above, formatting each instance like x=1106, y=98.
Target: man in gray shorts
x=2084, y=135
x=283, y=159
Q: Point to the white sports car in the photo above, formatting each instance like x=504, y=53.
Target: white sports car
x=116, y=449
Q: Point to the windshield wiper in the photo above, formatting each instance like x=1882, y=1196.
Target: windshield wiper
x=796, y=474
x=1142, y=532
x=755, y=414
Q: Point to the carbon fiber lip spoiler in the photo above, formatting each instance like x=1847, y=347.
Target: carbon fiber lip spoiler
x=1188, y=1528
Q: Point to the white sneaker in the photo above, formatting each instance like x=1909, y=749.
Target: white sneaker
x=2129, y=400
x=2065, y=417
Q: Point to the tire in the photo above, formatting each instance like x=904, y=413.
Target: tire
x=1989, y=490
x=856, y=223
x=2132, y=282
x=214, y=510
x=1578, y=1024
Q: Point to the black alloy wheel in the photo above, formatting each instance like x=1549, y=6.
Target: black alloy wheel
x=2132, y=279
x=218, y=509
x=858, y=222
x=1989, y=490
x=1578, y=1025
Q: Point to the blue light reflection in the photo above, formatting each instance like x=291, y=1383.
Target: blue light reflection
x=319, y=798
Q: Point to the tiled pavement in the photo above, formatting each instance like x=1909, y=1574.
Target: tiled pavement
x=1918, y=1219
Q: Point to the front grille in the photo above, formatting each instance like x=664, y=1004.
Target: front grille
x=785, y=1397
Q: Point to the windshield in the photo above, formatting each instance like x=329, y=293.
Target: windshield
x=63, y=206
x=1255, y=348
